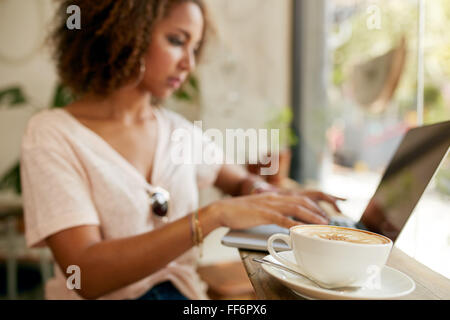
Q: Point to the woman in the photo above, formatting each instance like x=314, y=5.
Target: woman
x=91, y=171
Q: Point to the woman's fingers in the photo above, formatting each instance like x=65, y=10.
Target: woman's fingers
x=274, y=208
x=332, y=200
x=308, y=216
x=302, y=210
x=316, y=196
x=329, y=197
x=246, y=213
x=305, y=202
x=277, y=218
x=321, y=196
x=314, y=207
x=337, y=198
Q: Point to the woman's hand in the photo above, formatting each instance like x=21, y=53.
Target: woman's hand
x=258, y=186
x=266, y=208
x=316, y=196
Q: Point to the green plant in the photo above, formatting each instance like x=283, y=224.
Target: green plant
x=189, y=90
x=13, y=97
x=11, y=180
x=282, y=121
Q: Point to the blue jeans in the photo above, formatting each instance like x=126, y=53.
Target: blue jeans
x=163, y=291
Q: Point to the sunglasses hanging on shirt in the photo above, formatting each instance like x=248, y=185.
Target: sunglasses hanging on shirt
x=159, y=202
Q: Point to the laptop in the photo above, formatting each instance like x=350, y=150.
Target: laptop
x=409, y=172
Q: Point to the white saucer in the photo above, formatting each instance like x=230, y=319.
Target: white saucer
x=389, y=284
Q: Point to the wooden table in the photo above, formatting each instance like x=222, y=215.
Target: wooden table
x=429, y=284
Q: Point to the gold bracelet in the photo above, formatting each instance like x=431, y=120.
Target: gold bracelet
x=193, y=229
x=198, y=234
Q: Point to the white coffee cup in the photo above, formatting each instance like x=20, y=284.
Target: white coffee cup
x=334, y=256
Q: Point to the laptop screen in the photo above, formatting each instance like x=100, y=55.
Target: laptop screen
x=406, y=178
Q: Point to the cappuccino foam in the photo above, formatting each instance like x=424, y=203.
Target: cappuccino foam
x=342, y=234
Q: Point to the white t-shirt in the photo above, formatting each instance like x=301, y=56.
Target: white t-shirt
x=71, y=177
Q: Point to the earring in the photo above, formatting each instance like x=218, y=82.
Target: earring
x=142, y=69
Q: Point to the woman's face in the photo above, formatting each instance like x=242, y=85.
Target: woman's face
x=171, y=54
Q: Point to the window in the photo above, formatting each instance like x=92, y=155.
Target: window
x=389, y=70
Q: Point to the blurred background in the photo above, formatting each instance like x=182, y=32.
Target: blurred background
x=342, y=79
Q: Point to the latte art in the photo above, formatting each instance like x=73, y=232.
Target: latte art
x=334, y=256
x=341, y=234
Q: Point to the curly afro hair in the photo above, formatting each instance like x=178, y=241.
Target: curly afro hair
x=106, y=53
